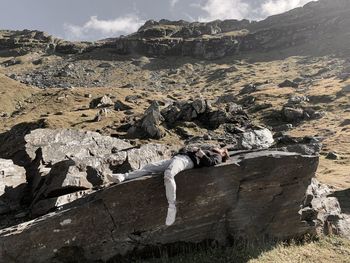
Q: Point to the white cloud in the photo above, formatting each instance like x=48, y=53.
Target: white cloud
x=173, y=3
x=97, y=29
x=224, y=9
x=273, y=7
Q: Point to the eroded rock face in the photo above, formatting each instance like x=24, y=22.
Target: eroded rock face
x=261, y=196
x=324, y=208
x=12, y=185
x=68, y=164
x=57, y=144
x=149, y=126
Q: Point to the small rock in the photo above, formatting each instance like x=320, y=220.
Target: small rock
x=101, y=102
x=132, y=98
x=284, y=127
x=296, y=100
x=248, y=89
x=292, y=114
x=105, y=65
x=332, y=156
x=288, y=84
x=120, y=106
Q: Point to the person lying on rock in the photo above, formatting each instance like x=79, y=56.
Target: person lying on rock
x=184, y=160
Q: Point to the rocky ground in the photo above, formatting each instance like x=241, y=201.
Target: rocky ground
x=317, y=104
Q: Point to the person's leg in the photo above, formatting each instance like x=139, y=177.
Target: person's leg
x=156, y=167
x=178, y=163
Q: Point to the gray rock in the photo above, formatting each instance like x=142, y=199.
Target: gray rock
x=133, y=98
x=101, y=102
x=297, y=100
x=250, y=88
x=120, y=106
x=46, y=147
x=323, y=209
x=56, y=145
x=332, y=156
x=283, y=127
x=346, y=89
x=293, y=114
x=226, y=99
x=106, y=65
x=255, y=139
x=73, y=163
x=149, y=126
x=12, y=185
x=305, y=149
x=288, y=84
x=236, y=200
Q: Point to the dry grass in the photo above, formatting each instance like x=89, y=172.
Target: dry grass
x=325, y=250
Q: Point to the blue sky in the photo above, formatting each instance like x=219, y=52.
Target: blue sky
x=97, y=19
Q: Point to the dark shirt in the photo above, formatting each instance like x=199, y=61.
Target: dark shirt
x=210, y=158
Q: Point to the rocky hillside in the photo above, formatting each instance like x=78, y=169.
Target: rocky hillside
x=317, y=28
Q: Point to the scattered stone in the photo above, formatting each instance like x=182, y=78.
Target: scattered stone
x=293, y=115
x=283, y=127
x=345, y=90
x=128, y=86
x=4, y=115
x=11, y=62
x=288, y=84
x=106, y=65
x=332, y=156
x=247, y=89
x=345, y=123
x=120, y=106
x=149, y=126
x=101, y=114
x=260, y=106
x=297, y=100
x=101, y=102
x=133, y=98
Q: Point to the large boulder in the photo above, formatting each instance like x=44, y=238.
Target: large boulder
x=57, y=145
x=255, y=139
x=255, y=195
x=327, y=209
x=149, y=126
x=68, y=163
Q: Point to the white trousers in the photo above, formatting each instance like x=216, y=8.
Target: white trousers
x=170, y=168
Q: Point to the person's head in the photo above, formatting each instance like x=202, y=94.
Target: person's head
x=223, y=152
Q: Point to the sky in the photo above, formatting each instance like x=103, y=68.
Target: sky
x=97, y=19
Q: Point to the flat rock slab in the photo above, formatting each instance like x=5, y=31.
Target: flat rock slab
x=256, y=195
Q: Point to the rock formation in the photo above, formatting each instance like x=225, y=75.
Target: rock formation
x=67, y=164
x=13, y=186
x=255, y=195
x=212, y=40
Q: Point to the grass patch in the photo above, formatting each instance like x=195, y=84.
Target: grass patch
x=325, y=249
